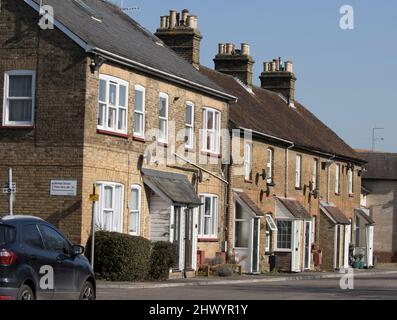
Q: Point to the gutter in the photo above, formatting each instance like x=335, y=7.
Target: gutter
x=162, y=74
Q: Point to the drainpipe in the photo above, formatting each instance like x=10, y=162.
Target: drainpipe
x=287, y=169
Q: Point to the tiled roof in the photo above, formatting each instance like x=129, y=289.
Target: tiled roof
x=336, y=214
x=246, y=199
x=266, y=112
x=380, y=165
x=295, y=208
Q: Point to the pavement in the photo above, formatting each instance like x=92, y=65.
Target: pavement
x=376, y=284
x=386, y=269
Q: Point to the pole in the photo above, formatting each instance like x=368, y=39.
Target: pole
x=93, y=228
x=11, y=194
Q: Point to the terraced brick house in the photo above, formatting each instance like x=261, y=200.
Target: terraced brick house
x=97, y=101
x=293, y=191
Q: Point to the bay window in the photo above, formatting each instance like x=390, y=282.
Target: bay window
x=19, y=98
x=139, y=112
x=109, y=214
x=208, y=217
x=189, y=125
x=113, y=104
x=284, y=234
x=211, y=131
x=135, y=210
x=163, y=118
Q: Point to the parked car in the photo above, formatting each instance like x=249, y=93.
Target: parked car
x=38, y=262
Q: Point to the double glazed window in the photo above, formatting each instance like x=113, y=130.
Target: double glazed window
x=110, y=207
x=208, y=217
x=284, y=234
x=211, y=130
x=350, y=180
x=298, y=172
x=337, y=179
x=248, y=161
x=314, y=174
x=19, y=98
x=113, y=104
x=139, y=112
x=135, y=210
x=189, y=125
x=163, y=118
x=269, y=165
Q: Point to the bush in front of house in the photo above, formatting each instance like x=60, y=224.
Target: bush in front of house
x=120, y=257
x=223, y=270
x=163, y=257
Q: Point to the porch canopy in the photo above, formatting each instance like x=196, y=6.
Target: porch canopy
x=335, y=214
x=295, y=208
x=365, y=216
x=172, y=187
x=246, y=201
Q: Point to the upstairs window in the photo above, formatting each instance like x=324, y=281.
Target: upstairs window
x=248, y=162
x=189, y=125
x=211, y=130
x=269, y=165
x=19, y=98
x=350, y=181
x=113, y=104
x=337, y=179
x=314, y=174
x=163, y=118
x=298, y=172
x=139, y=112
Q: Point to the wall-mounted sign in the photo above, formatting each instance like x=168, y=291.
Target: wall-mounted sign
x=63, y=188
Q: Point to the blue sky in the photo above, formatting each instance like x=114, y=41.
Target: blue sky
x=348, y=78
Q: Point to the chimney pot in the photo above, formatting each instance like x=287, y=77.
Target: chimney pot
x=221, y=48
x=185, y=14
x=245, y=49
x=229, y=48
x=190, y=22
x=289, y=66
x=163, y=22
x=172, y=19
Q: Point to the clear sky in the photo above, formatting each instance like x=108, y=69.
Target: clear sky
x=348, y=78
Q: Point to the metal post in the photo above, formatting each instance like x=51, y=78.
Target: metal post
x=93, y=228
x=11, y=194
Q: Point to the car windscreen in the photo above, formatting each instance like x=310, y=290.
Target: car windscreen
x=7, y=234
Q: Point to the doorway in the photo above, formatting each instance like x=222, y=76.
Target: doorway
x=308, y=242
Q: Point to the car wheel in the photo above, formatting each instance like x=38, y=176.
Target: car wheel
x=25, y=293
x=87, y=293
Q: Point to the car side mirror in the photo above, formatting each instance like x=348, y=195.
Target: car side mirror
x=77, y=250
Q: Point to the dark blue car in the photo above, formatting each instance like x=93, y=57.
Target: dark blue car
x=38, y=262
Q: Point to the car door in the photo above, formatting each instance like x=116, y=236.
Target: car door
x=61, y=255
x=37, y=258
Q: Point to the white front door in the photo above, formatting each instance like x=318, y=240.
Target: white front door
x=348, y=232
x=370, y=246
x=296, y=247
x=308, y=244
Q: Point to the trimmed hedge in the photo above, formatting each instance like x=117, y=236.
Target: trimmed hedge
x=120, y=257
x=163, y=257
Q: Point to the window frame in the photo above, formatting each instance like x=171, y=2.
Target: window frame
x=105, y=126
x=270, y=166
x=298, y=172
x=163, y=95
x=138, y=211
x=100, y=208
x=248, y=154
x=190, y=143
x=201, y=224
x=217, y=120
x=241, y=220
x=315, y=174
x=337, y=178
x=350, y=180
x=278, y=249
x=6, y=97
x=142, y=113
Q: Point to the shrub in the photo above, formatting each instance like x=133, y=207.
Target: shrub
x=164, y=256
x=120, y=257
x=223, y=270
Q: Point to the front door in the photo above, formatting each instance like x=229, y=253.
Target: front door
x=308, y=241
x=297, y=253
x=255, y=245
x=189, y=239
x=176, y=236
x=370, y=246
x=347, y=245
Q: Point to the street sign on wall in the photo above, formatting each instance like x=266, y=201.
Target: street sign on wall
x=63, y=188
x=8, y=190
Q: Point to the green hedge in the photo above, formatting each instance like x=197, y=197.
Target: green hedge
x=163, y=257
x=120, y=257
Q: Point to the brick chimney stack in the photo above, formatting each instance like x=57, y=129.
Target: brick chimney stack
x=235, y=62
x=179, y=31
x=279, y=77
